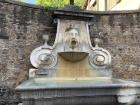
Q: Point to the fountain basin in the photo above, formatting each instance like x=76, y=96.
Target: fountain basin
x=78, y=91
x=73, y=56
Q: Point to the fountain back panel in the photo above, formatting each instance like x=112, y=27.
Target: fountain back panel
x=72, y=71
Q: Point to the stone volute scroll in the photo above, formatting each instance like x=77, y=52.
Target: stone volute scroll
x=100, y=58
x=43, y=57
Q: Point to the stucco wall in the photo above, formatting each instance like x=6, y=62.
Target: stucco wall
x=22, y=27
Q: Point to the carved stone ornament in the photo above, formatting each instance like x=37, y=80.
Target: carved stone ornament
x=100, y=58
x=72, y=39
x=43, y=58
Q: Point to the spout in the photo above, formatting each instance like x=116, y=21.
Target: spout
x=73, y=43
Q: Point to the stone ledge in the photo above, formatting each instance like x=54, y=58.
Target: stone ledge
x=70, y=14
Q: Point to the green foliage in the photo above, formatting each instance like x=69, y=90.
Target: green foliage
x=80, y=2
x=58, y=3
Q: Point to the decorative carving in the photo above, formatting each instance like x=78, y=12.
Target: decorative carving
x=72, y=39
x=43, y=58
x=97, y=42
x=47, y=60
x=100, y=58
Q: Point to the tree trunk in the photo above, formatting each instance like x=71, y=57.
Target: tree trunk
x=71, y=2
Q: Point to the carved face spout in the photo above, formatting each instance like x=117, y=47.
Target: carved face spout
x=73, y=43
x=72, y=38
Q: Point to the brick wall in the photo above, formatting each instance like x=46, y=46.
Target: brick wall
x=22, y=27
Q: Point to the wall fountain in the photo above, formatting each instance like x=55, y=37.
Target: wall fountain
x=72, y=71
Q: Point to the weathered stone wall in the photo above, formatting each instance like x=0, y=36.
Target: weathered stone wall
x=22, y=27
x=21, y=30
x=121, y=35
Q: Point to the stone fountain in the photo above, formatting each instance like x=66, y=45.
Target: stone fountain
x=72, y=71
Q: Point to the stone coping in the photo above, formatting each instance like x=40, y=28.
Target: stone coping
x=70, y=14
x=92, y=12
